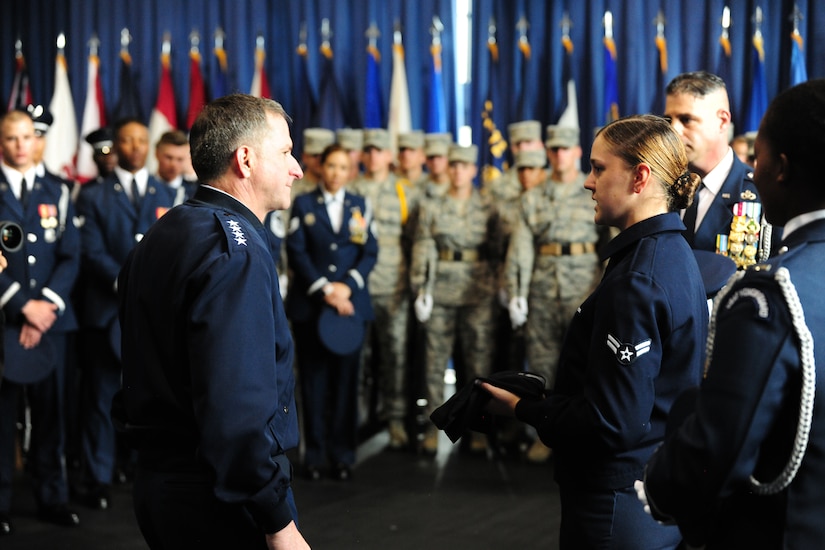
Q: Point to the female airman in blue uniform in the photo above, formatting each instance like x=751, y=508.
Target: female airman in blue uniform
x=331, y=251
x=632, y=346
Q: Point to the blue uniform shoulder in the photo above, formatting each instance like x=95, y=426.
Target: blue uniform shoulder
x=237, y=231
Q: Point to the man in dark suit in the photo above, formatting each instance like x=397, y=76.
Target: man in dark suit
x=746, y=467
x=34, y=295
x=116, y=214
x=698, y=108
x=207, y=355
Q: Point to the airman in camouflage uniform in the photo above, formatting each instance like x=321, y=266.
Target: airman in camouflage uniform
x=352, y=140
x=411, y=157
x=524, y=136
x=552, y=261
x=315, y=141
x=456, y=259
x=529, y=166
x=392, y=202
x=436, y=146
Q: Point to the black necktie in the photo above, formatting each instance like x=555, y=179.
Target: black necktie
x=135, y=194
x=689, y=218
x=24, y=193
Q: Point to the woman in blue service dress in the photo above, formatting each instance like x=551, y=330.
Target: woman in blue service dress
x=331, y=251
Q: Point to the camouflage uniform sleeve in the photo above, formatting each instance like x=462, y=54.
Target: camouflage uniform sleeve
x=521, y=254
x=423, y=252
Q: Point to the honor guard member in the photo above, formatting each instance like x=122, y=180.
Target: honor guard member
x=436, y=146
x=744, y=466
x=315, y=141
x=35, y=296
x=632, y=346
x=698, y=108
x=70, y=375
x=455, y=269
x=172, y=154
x=331, y=251
x=104, y=156
x=208, y=385
x=352, y=140
x=116, y=215
x=42, y=120
x=411, y=157
x=391, y=204
x=524, y=136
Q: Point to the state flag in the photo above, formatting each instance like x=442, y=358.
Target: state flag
x=94, y=117
x=61, y=140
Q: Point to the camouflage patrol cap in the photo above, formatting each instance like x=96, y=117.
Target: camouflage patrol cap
x=317, y=139
x=411, y=140
x=531, y=159
x=376, y=137
x=437, y=144
x=351, y=139
x=526, y=130
x=562, y=136
x=468, y=154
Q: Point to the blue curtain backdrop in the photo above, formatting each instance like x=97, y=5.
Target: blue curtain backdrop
x=692, y=32
x=38, y=22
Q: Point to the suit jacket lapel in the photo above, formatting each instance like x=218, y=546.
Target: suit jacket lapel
x=8, y=197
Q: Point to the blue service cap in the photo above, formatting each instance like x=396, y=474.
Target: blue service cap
x=340, y=334
x=715, y=269
x=102, y=140
x=28, y=366
x=41, y=117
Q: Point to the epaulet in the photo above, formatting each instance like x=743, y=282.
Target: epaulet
x=763, y=267
x=236, y=237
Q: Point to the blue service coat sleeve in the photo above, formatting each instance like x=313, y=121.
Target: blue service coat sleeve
x=614, y=412
x=232, y=392
x=715, y=450
x=300, y=259
x=95, y=251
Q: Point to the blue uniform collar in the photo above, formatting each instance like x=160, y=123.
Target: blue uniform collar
x=219, y=199
x=657, y=224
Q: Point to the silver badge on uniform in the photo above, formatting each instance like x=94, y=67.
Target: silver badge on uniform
x=50, y=235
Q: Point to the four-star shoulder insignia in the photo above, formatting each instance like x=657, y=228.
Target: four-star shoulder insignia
x=237, y=232
x=627, y=353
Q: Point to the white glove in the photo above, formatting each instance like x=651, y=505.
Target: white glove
x=423, y=307
x=639, y=485
x=518, y=311
x=283, y=282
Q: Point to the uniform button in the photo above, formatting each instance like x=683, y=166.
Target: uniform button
x=33, y=283
x=333, y=246
x=138, y=237
x=333, y=269
x=31, y=237
x=32, y=260
x=783, y=250
x=286, y=409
